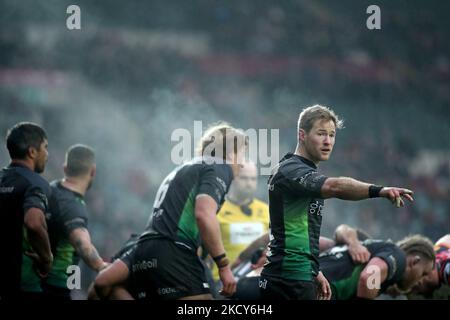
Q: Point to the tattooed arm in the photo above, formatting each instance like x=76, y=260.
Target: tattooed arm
x=81, y=241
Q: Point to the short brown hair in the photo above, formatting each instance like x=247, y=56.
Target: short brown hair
x=79, y=160
x=309, y=115
x=418, y=245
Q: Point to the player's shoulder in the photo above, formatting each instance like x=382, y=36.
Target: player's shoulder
x=210, y=164
x=11, y=175
x=220, y=167
x=59, y=192
x=33, y=179
x=73, y=207
x=227, y=206
x=220, y=173
x=259, y=204
x=260, y=210
x=229, y=211
x=55, y=187
x=227, y=214
x=3, y=172
x=378, y=245
x=390, y=253
x=66, y=199
x=295, y=166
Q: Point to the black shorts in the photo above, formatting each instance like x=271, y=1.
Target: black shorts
x=284, y=289
x=247, y=289
x=55, y=293
x=127, y=246
x=162, y=269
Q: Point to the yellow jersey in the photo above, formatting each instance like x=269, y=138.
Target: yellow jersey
x=239, y=229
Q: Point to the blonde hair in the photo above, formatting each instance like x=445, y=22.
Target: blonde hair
x=419, y=245
x=221, y=136
x=309, y=115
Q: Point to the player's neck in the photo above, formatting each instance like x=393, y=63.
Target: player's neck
x=75, y=184
x=24, y=162
x=300, y=151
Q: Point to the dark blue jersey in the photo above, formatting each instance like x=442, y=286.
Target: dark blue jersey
x=20, y=190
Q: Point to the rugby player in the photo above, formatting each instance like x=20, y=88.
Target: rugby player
x=440, y=276
x=164, y=263
x=343, y=234
x=23, y=203
x=125, y=289
x=67, y=221
x=242, y=217
x=247, y=287
x=296, y=197
x=402, y=265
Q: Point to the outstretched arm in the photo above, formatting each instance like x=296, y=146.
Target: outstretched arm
x=352, y=189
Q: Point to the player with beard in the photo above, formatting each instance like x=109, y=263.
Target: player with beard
x=23, y=202
x=67, y=221
x=296, y=198
x=437, y=283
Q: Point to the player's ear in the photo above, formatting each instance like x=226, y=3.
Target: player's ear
x=301, y=135
x=416, y=260
x=93, y=170
x=32, y=152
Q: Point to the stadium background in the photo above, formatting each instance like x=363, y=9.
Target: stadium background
x=137, y=70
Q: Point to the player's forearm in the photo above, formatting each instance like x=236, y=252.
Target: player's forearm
x=364, y=292
x=81, y=241
x=260, y=242
x=41, y=244
x=38, y=236
x=210, y=232
x=345, y=188
x=326, y=243
x=90, y=256
x=371, y=278
x=345, y=234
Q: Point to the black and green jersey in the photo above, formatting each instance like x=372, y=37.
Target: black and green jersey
x=67, y=211
x=129, y=243
x=20, y=190
x=173, y=213
x=295, y=205
x=343, y=275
